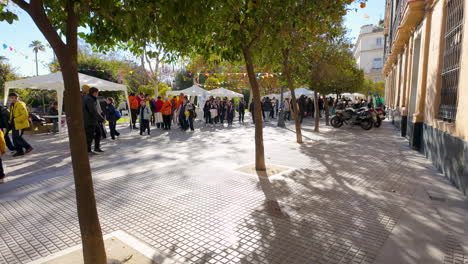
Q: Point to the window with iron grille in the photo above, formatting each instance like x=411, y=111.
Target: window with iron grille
x=452, y=55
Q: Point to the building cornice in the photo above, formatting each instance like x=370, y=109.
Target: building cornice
x=413, y=15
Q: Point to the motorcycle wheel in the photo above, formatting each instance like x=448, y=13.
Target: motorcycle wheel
x=336, y=122
x=366, y=124
x=378, y=123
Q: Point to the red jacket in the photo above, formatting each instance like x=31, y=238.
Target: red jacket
x=134, y=103
x=159, y=104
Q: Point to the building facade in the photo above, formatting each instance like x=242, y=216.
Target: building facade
x=369, y=52
x=426, y=80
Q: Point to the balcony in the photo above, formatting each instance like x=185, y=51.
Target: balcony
x=408, y=15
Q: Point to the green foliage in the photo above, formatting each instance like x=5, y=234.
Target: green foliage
x=7, y=74
x=182, y=80
x=372, y=87
x=162, y=89
x=146, y=89
x=149, y=89
x=7, y=15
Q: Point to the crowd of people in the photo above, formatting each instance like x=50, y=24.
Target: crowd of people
x=144, y=109
x=14, y=118
x=153, y=112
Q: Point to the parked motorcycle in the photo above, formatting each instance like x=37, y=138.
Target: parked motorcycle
x=362, y=117
x=380, y=116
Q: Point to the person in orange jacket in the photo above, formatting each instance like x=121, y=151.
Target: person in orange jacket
x=134, y=108
x=166, y=112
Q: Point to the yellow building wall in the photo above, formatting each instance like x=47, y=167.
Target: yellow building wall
x=461, y=124
x=421, y=94
x=434, y=64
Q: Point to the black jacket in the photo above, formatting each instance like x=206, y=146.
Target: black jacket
x=110, y=113
x=4, y=117
x=267, y=106
x=90, y=113
x=241, y=107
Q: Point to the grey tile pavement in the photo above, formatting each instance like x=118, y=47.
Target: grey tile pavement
x=349, y=198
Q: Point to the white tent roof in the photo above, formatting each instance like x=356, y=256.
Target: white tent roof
x=359, y=95
x=277, y=96
x=195, y=90
x=222, y=92
x=54, y=81
x=300, y=91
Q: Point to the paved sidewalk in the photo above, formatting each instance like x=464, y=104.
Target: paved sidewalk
x=352, y=196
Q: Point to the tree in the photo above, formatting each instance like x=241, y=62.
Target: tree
x=231, y=29
x=58, y=21
x=37, y=46
x=7, y=73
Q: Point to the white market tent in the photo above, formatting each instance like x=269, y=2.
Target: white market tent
x=54, y=82
x=277, y=96
x=347, y=95
x=222, y=92
x=298, y=92
x=195, y=90
x=359, y=95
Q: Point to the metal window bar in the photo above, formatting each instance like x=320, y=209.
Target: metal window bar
x=451, y=66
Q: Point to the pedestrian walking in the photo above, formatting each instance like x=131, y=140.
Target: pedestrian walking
x=112, y=117
x=166, y=112
x=158, y=115
x=19, y=120
x=91, y=119
x=267, y=109
x=152, y=104
x=6, y=127
x=230, y=112
x=134, y=108
x=145, y=117
x=101, y=108
x=206, y=112
x=53, y=111
x=287, y=109
x=241, y=110
x=175, y=107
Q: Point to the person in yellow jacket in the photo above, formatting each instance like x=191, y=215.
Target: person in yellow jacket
x=2, y=151
x=19, y=120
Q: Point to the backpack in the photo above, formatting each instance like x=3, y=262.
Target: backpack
x=117, y=115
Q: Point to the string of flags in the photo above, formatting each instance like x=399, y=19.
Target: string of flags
x=10, y=48
x=242, y=74
x=23, y=54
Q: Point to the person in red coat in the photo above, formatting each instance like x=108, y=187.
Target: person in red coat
x=158, y=115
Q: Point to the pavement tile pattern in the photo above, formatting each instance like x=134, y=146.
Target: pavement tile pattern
x=181, y=194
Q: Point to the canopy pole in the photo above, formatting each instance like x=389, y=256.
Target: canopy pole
x=60, y=107
x=5, y=100
x=128, y=109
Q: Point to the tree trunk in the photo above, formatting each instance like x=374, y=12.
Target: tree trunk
x=91, y=235
x=317, y=112
x=259, y=150
x=293, y=105
x=37, y=66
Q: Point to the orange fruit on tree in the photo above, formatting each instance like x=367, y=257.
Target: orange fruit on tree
x=363, y=5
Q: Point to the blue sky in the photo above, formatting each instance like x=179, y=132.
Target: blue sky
x=20, y=34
